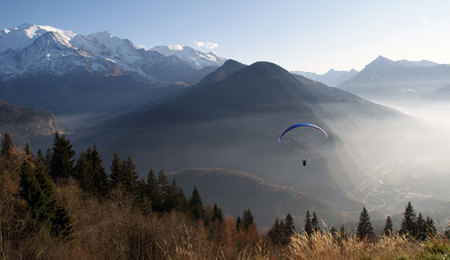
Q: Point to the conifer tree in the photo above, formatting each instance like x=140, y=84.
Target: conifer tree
x=62, y=163
x=130, y=175
x=116, y=171
x=7, y=145
x=28, y=151
x=247, y=219
x=48, y=158
x=343, y=233
x=217, y=214
x=289, y=225
x=408, y=225
x=184, y=204
x=315, y=223
x=37, y=191
x=308, y=226
x=277, y=233
x=196, y=205
x=365, y=228
x=124, y=175
x=99, y=176
x=430, y=227
x=239, y=223
x=61, y=223
x=83, y=174
x=163, y=184
x=388, y=227
x=421, y=229
x=172, y=198
x=153, y=192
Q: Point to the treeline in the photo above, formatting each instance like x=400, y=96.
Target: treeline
x=38, y=193
x=56, y=206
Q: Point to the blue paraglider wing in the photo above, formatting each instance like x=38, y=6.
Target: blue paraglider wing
x=300, y=125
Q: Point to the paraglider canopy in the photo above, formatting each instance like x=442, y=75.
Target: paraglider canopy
x=300, y=125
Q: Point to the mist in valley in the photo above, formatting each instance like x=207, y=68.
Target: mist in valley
x=403, y=160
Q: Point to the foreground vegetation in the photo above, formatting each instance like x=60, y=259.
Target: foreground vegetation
x=52, y=207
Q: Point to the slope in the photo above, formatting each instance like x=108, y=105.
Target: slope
x=387, y=80
x=234, y=124
x=236, y=191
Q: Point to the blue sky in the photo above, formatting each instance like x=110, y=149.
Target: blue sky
x=297, y=35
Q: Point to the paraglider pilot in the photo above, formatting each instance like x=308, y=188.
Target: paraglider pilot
x=304, y=161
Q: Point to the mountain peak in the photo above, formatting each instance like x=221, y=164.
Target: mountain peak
x=381, y=62
x=101, y=36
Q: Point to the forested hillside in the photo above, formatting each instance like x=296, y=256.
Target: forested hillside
x=59, y=205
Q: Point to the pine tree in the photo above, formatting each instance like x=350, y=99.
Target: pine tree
x=365, y=228
x=239, y=223
x=83, y=174
x=343, y=233
x=130, y=175
x=408, y=225
x=388, y=227
x=61, y=223
x=421, y=229
x=62, y=163
x=7, y=145
x=247, y=219
x=28, y=151
x=163, y=183
x=99, y=176
x=172, y=199
x=37, y=191
x=124, y=175
x=217, y=214
x=164, y=190
x=308, y=226
x=196, y=205
x=116, y=171
x=289, y=225
x=153, y=192
x=430, y=227
x=315, y=223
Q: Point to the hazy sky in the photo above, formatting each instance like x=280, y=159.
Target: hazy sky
x=298, y=35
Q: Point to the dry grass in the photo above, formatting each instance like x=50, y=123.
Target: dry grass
x=324, y=246
x=115, y=229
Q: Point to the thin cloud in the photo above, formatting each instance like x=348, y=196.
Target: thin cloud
x=207, y=45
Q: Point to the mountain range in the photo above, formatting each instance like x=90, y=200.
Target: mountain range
x=49, y=68
x=211, y=122
x=332, y=78
x=232, y=119
x=386, y=80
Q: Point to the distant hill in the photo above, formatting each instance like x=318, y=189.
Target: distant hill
x=235, y=192
x=384, y=79
x=331, y=78
x=234, y=124
x=24, y=122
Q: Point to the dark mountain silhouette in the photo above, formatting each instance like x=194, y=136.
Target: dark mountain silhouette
x=384, y=79
x=236, y=191
x=234, y=124
x=82, y=91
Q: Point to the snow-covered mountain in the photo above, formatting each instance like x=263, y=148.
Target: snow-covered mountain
x=29, y=49
x=331, y=78
x=193, y=57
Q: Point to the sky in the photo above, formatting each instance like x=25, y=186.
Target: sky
x=312, y=36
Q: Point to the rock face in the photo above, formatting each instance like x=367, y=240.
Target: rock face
x=23, y=122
